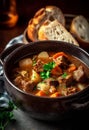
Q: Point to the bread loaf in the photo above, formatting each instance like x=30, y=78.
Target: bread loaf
x=53, y=30
x=80, y=28
x=47, y=13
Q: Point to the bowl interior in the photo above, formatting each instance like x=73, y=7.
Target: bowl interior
x=36, y=47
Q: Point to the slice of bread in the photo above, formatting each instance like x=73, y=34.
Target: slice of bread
x=80, y=28
x=53, y=30
x=47, y=13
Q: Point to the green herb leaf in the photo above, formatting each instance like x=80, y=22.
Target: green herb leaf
x=6, y=115
x=64, y=75
x=49, y=66
x=46, y=70
x=45, y=75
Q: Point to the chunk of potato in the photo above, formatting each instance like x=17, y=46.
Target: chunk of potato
x=80, y=86
x=43, y=87
x=35, y=77
x=25, y=64
x=43, y=56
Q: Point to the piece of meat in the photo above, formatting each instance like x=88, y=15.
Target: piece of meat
x=65, y=81
x=51, y=82
x=71, y=90
x=28, y=86
x=18, y=80
x=54, y=83
x=24, y=85
x=62, y=62
x=38, y=67
x=79, y=74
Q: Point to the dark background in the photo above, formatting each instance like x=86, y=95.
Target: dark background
x=27, y=8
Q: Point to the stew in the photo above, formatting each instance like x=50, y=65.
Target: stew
x=51, y=74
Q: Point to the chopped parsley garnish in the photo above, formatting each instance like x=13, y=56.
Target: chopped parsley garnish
x=64, y=75
x=49, y=66
x=47, y=69
x=45, y=74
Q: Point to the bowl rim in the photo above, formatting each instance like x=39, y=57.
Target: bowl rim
x=43, y=97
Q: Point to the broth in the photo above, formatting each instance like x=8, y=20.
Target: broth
x=51, y=74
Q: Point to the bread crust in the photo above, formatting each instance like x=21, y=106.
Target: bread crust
x=49, y=12
x=53, y=30
x=84, y=43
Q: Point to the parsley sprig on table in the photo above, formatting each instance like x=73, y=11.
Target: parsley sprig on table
x=6, y=115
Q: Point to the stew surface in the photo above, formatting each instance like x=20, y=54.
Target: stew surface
x=51, y=74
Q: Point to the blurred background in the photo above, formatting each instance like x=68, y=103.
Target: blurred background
x=27, y=8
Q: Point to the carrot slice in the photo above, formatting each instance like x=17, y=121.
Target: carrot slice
x=59, y=54
x=56, y=94
x=56, y=71
x=41, y=93
x=72, y=68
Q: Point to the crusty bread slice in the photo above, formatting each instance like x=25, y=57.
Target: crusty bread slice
x=49, y=12
x=80, y=28
x=53, y=30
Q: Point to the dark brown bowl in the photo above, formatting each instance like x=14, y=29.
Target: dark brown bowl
x=45, y=108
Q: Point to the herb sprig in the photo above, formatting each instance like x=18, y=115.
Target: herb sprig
x=6, y=115
x=47, y=69
x=64, y=75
